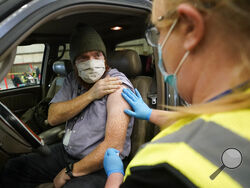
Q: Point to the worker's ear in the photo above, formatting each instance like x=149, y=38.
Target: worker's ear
x=191, y=24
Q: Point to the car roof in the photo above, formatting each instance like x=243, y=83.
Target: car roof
x=7, y=7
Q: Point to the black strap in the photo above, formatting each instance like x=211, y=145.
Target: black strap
x=69, y=169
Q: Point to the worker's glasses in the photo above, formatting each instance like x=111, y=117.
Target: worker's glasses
x=152, y=36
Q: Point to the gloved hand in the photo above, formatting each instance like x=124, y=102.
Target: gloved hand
x=112, y=162
x=141, y=110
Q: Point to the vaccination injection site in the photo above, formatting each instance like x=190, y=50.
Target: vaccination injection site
x=124, y=94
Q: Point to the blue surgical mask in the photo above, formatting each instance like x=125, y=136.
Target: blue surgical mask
x=171, y=79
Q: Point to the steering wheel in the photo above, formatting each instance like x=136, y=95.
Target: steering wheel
x=13, y=122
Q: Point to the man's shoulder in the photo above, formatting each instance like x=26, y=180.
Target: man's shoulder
x=115, y=72
x=122, y=76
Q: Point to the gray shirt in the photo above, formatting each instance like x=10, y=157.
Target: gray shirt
x=87, y=129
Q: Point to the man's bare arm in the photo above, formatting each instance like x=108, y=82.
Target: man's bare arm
x=115, y=135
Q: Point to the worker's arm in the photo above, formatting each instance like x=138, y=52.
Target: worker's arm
x=160, y=118
x=114, y=168
x=115, y=135
x=114, y=180
x=62, y=111
x=142, y=111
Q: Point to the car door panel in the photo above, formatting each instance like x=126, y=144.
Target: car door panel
x=20, y=100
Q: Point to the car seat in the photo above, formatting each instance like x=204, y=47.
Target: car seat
x=61, y=68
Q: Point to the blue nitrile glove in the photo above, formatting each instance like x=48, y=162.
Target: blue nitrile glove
x=141, y=110
x=112, y=162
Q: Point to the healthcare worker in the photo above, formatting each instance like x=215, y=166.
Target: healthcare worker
x=203, y=48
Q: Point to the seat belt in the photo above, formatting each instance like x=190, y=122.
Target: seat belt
x=152, y=95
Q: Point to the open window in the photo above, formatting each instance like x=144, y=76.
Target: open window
x=144, y=51
x=26, y=69
x=6, y=62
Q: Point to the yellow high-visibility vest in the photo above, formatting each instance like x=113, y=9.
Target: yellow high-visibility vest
x=195, y=146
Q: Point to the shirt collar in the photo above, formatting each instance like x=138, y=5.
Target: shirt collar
x=242, y=86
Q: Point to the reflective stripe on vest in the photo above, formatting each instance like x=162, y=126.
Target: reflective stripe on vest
x=196, y=150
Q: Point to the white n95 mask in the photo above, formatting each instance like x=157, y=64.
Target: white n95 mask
x=90, y=71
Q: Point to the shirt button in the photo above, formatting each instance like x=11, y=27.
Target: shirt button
x=81, y=118
x=70, y=147
x=74, y=131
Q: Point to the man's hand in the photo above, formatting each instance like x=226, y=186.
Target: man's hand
x=60, y=179
x=104, y=87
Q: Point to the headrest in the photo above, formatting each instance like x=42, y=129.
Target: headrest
x=126, y=61
x=62, y=67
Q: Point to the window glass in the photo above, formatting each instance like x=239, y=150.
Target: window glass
x=144, y=51
x=66, y=53
x=139, y=45
x=26, y=70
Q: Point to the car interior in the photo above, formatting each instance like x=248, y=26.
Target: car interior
x=135, y=59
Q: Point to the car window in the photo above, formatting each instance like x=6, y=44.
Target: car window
x=144, y=51
x=66, y=52
x=26, y=70
x=139, y=45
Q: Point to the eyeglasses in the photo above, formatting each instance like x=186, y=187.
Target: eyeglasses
x=152, y=36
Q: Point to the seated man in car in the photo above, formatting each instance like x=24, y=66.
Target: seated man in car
x=90, y=102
